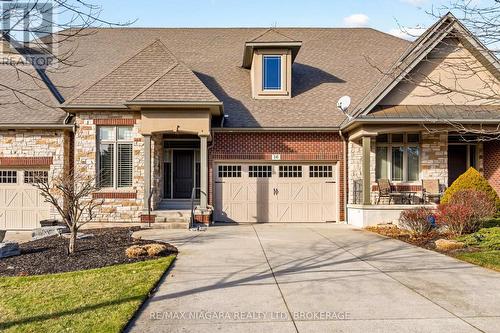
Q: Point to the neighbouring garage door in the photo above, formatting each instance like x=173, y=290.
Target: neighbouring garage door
x=21, y=205
x=260, y=192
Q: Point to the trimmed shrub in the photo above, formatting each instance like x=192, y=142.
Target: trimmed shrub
x=465, y=211
x=458, y=219
x=416, y=220
x=471, y=179
x=481, y=204
x=155, y=250
x=136, y=251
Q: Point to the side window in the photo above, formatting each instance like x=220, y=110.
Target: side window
x=320, y=171
x=229, y=171
x=115, y=149
x=260, y=171
x=8, y=177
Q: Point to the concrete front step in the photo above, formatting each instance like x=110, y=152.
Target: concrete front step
x=171, y=219
x=177, y=204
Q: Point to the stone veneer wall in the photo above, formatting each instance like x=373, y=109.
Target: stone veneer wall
x=434, y=158
x=39, y=143
x=433, y=161
x=355, y=165
x=124, y=204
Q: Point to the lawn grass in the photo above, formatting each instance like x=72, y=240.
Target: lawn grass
x=487, y=241
x=488, y=259
x=97, y=300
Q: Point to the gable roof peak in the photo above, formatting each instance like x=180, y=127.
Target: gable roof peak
x=272, y=35
x=448, y=25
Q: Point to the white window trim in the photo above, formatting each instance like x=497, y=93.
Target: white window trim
x=282, y=74
x=257, y=74
x=115, y=143
x=405, y=145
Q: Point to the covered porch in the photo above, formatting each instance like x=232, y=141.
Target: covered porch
x=403, y=160
x=176, y=163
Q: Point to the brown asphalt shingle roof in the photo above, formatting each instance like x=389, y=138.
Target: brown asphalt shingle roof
x=25, y=99
x=153, y=74
x=331, y=63
x=177, y=84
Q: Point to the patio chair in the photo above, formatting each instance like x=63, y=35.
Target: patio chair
x=431, y=190
x=385, y=191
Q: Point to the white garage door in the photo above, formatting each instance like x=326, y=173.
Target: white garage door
x=21, y=205
x=261, y=192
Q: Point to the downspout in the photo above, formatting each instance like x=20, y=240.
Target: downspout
x=346, y=196
x=209, y=147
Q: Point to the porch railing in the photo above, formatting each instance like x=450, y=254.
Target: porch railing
x=357, y=191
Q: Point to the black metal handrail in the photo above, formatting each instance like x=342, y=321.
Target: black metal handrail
x=193, y=195
x=149, y=208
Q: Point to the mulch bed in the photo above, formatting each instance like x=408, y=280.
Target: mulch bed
x=49, y=255
x=425, y=241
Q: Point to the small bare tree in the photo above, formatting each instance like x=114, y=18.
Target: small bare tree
x=72, y=196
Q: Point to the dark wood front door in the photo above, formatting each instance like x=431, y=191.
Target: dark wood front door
x=457, y=162
x=183, y=176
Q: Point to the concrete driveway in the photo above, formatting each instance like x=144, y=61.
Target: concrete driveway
x=315, y=278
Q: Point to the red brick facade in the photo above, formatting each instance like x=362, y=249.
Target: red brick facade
x=114, y=195
x=115, y=122
x=292, y=146
x=26, y=161
x=492, y=163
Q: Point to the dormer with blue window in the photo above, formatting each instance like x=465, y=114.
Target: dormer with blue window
x=269, y=58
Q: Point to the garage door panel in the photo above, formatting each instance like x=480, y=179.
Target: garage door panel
x=299, y=212
x=303, y=194
x=284, y=212
x=13, y=219
x=314, y=192
x=298, y=192
x=12, y=198
x=21, y=205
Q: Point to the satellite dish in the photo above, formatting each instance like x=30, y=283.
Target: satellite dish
x=343, y=103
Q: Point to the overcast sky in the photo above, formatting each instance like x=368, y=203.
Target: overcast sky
x=383, y=15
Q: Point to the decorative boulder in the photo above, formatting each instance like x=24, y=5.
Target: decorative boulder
x=44, y=232
x=78, y=235
x=9, y=249
x=448, y=245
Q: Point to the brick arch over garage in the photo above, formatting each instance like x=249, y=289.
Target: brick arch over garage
x=492, y=163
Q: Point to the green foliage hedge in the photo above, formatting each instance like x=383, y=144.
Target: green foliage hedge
x=471, y=179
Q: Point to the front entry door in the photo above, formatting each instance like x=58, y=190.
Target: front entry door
x=183, y=180
x=457, y=162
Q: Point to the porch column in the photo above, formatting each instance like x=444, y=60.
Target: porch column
x=203, y=170
x=366, y=142
x=147, y=169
